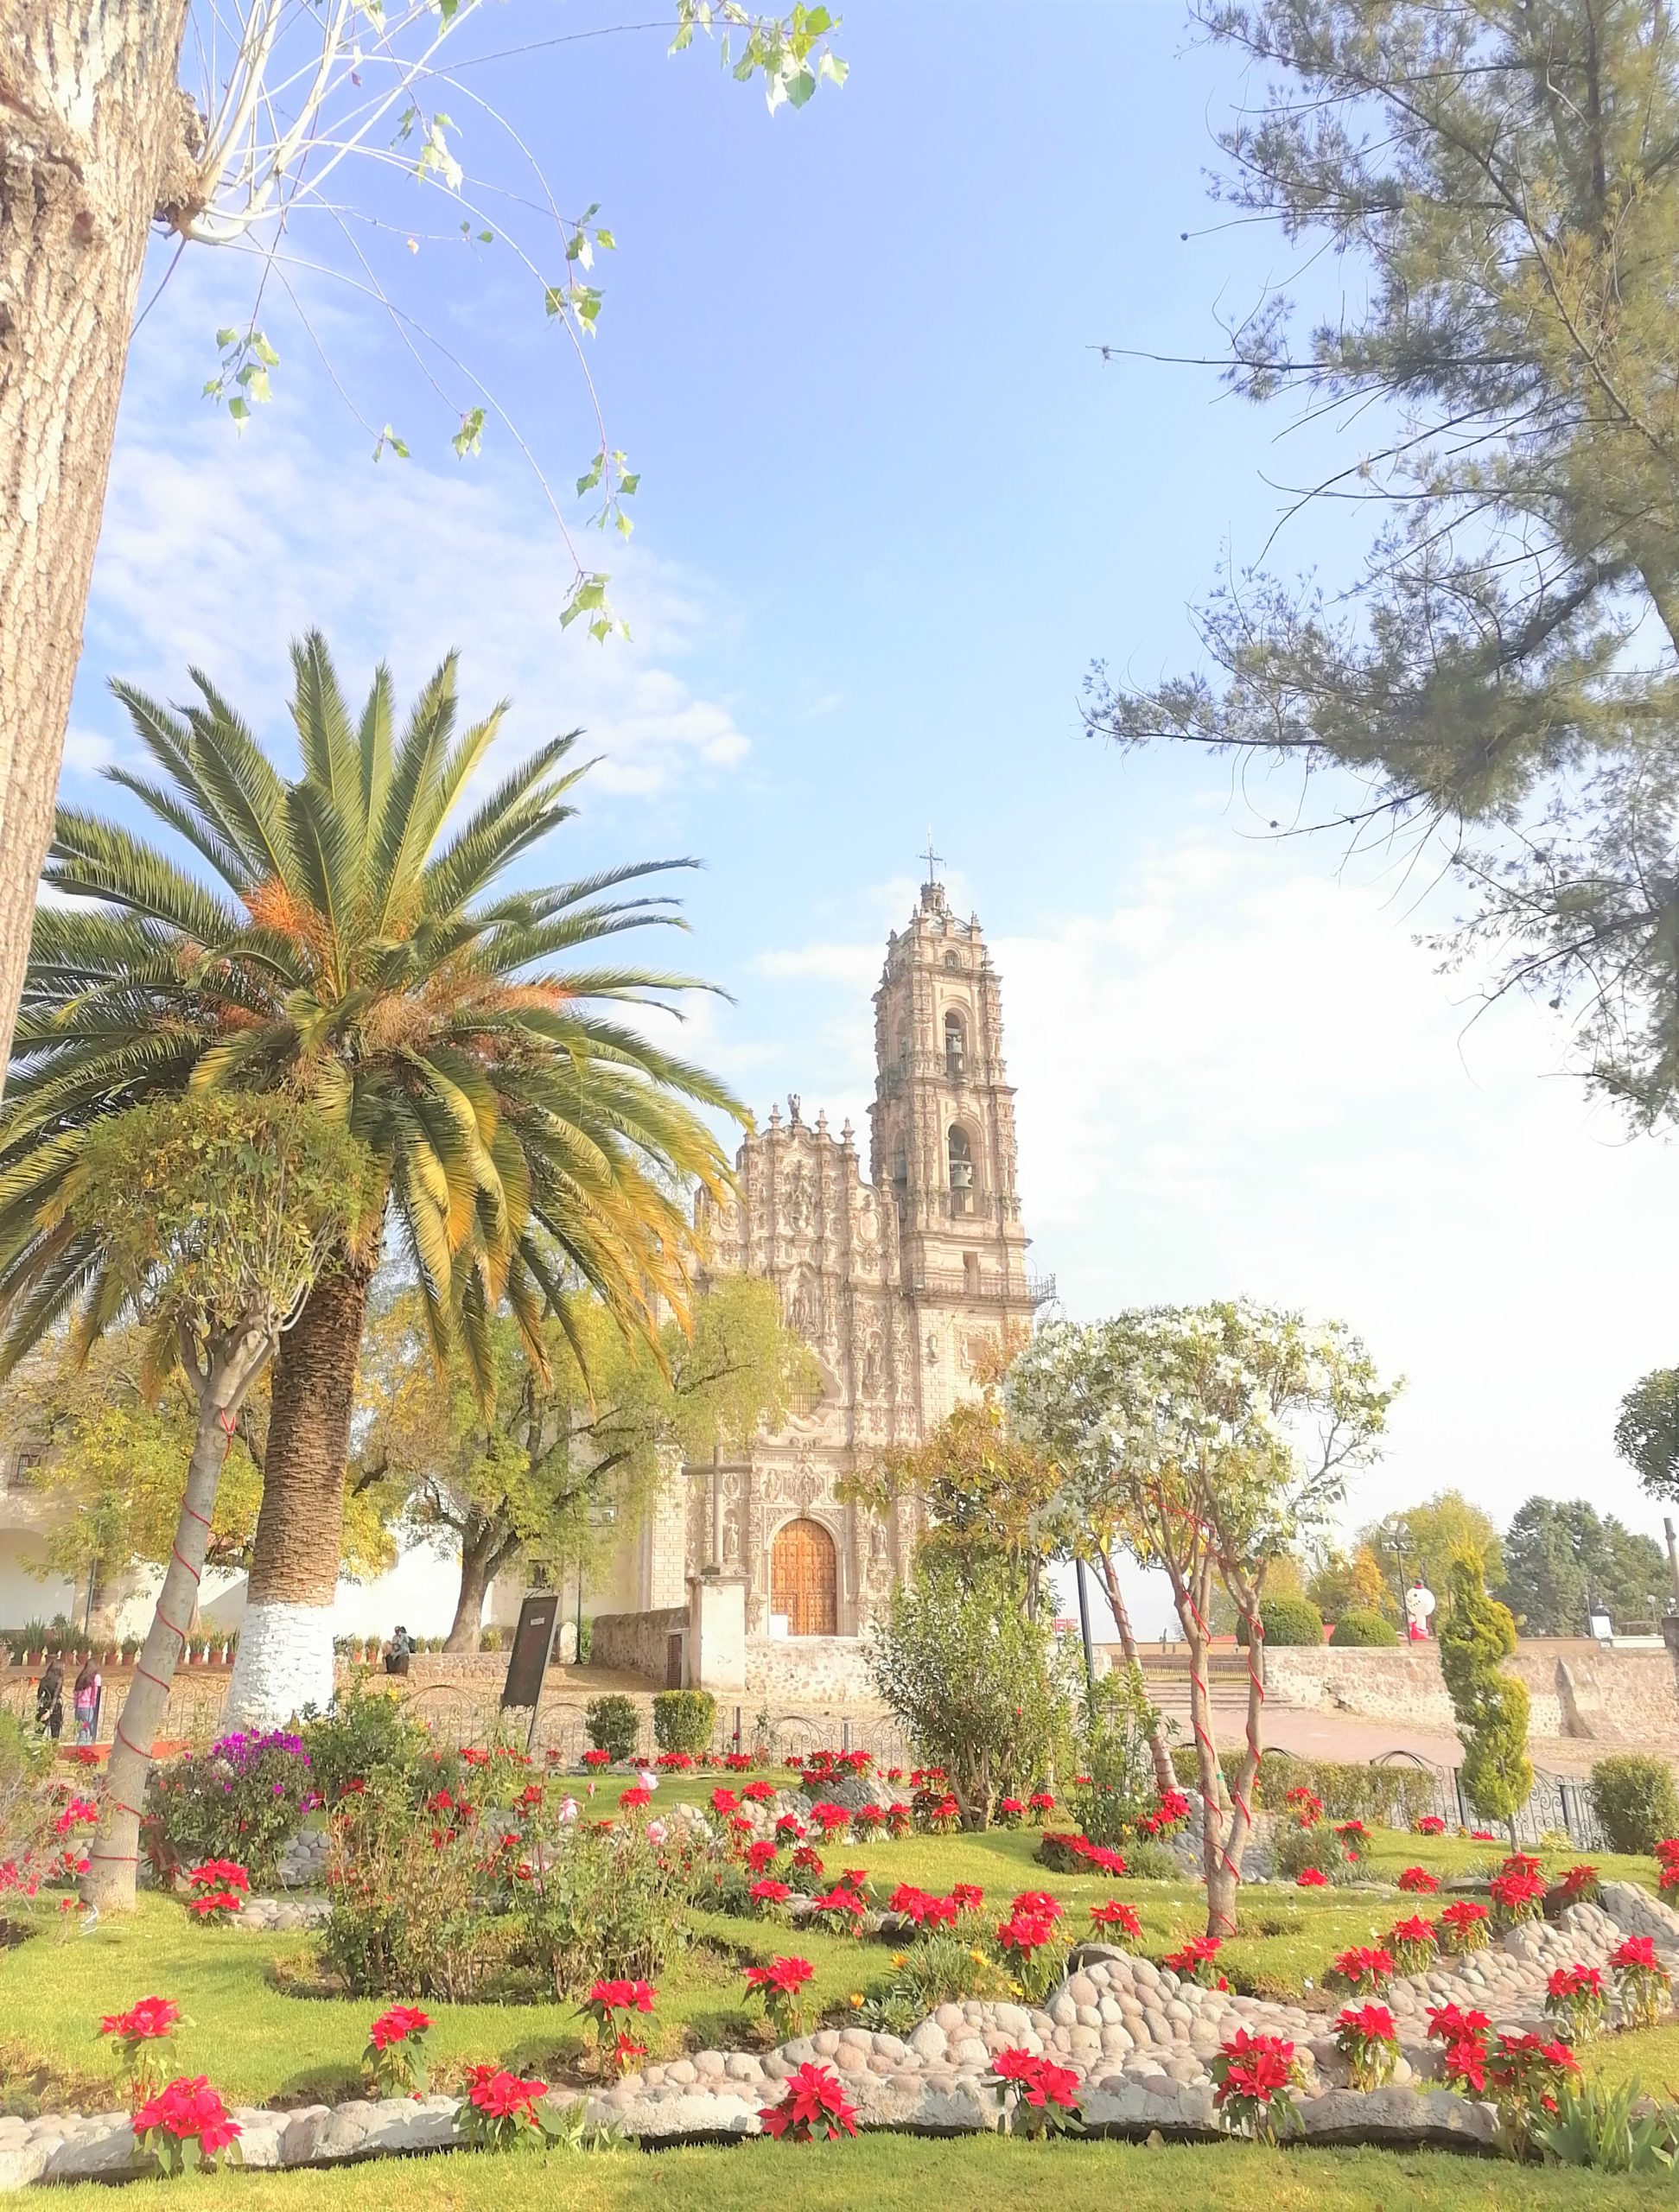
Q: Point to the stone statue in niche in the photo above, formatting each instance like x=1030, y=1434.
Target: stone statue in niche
x=932, y=1348
x=796, y=1206
x=871, y=1366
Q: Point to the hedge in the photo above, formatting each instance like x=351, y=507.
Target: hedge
x=1390, y=1796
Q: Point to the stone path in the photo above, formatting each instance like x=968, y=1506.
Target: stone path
x=1139, y=2039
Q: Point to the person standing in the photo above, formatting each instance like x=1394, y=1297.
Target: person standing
x=49, y=1698
x=85, y=1697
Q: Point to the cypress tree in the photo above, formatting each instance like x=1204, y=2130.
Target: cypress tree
x=1491, y=1707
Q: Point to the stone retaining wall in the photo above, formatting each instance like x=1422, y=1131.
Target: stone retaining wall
x=828, y=1667
x=1576, y=1687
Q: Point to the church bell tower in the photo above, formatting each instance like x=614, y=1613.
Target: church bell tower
x=941, y=1147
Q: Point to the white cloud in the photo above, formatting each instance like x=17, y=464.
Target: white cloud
x=216, y=551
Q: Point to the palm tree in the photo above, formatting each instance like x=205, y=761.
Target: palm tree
x=333, y=943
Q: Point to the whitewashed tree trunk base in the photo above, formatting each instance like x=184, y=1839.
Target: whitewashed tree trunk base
x=284, y=1663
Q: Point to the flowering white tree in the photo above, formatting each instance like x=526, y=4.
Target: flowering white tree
x=1214, y=1436
x=318, y=139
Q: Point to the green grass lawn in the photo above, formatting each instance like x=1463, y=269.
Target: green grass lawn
x=260, y=2041
x=905, y=2174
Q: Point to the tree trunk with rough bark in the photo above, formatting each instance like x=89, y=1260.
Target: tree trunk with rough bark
x=285, y=1653
x=95, y=139
x=1159, y=1750
x=114, y=1855
x=483, y=1553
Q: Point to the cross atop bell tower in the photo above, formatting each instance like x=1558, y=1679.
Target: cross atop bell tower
x=942, y=1146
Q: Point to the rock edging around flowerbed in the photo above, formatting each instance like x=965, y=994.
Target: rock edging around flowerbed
x=1139, y=2039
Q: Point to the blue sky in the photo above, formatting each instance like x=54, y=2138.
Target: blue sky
x=893, y=504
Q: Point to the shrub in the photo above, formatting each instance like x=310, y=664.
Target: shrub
x=243, y=1799
x=971, y=1676
x=365, y=1731
x=1357, y=1626
x=1633, y=1796
x=1286, y=1619
x=614, y=1725
x=940, y=1969
x=404, y=1921
x=1297, y=1848
x=1492, y=1707
x=1114, y=1756
x=683, y=1720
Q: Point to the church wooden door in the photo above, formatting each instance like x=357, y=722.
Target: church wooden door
x=805, y=1578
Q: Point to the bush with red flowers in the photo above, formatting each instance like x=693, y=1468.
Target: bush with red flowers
x=500, y=2108
x=1307, y=1809
x=636, y=1798
x=1580, y=1886
x=770, y=1897
x=1464, y=2059
x=139, y=2036
x=834, y=1821
x=1311, y=1878
x=610, y=2007
x=841, y=1910
x=1038, y=2097
x=1365, y=2038
x=395, y=2056
x=1575, y=1998
x=1366, y=1969
x=1010, y=1812
x=1115, y=1914
x=1463, y=1926
x=1197, y=1961
x=780, y=1985
x=217, y=1888
x=1355, y=1841
x=1417, y=1881
x=1642, y=1982
x=186, y=2126
x=1038, y=1804
x=807, y=1862
x=1517, y=1892
x=1031, y=1949
x=1171, y=1812
x=1430, y=1824
x=1525, y=2074
x=759, y=1793
x=814, y=2109
x=597, y=1758
x=1415, y=1944
x=1255, y=2078
x=762, y=1855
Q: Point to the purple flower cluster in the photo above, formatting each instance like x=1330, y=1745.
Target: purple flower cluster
x=242, y=1750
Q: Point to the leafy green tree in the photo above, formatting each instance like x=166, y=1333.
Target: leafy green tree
x=1498, y=188
x=1561, y=1557
x=1219, y=1438
x=569, y=1443
x=209, y=1218
x=1425, y=1539
x=1339, y=1584
x=1647, y=1433
x=971, y=1676
x=1475, y=1633
x=335, y=939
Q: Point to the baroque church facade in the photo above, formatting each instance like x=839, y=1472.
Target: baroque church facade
x=900, y=1284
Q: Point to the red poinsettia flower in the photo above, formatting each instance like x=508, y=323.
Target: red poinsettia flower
x=634, y=1797
x=1636, y=1951
x=623, y=1996
x=142, y=2022
x=189, y=2109
x=397, y=2024
x=787, y=1976
x=814, y=2107
x=1117, y=1914
x=1420, y=1881
x=500, y=2095
x=1311, y=1878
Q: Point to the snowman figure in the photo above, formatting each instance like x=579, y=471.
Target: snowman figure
x=1419, y=1604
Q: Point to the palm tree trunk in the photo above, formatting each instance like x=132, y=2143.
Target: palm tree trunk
x=93, y=143
x=285, y=1654
x=114, y=1857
